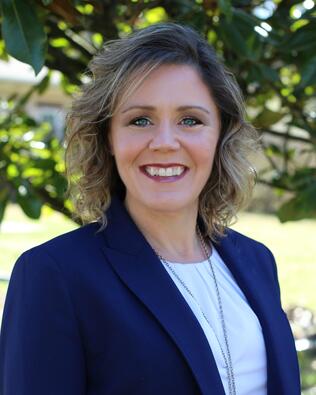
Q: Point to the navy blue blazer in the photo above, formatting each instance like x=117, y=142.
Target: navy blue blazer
x=92, y=313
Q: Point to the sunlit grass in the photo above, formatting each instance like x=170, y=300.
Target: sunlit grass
x=19, y=233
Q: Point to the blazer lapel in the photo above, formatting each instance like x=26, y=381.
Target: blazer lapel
x=263, y=300
x=137, y=265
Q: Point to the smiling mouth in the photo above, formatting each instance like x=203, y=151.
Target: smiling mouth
x=164, y=172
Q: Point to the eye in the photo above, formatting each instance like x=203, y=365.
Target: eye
x=140, y=121
x=191, y=121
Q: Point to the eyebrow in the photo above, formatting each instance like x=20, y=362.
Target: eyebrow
x=152, y=108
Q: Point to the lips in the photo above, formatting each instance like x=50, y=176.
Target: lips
x=164, y=172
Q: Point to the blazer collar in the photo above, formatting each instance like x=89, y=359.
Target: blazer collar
x=137, y=265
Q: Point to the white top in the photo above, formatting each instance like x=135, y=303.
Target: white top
x=244, y=331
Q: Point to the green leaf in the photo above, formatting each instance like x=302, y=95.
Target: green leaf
x=301, y=206
x=273, y=150
x=226, y=8
x=44, y=163
x=308, y=73
x=77, y=2
x=303, y=39
x=238, y=34
x=60, y=184
x=31, y=205
x=268, y=73
x=267, y=118
x=233, y=38
x=44, y=84
x=23, y=33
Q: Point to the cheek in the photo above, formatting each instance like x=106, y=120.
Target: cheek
x=126, y=150
x=203, y=150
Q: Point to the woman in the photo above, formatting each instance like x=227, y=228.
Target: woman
x=155, y=295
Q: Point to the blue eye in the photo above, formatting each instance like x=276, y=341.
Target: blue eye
x=193, y=121
x=141, y=121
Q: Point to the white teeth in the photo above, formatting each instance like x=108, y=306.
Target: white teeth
x=164, y=171
x=169, y=171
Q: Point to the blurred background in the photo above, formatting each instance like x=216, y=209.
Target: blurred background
x=270, y=46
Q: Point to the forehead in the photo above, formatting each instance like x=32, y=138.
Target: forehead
x=166, y=85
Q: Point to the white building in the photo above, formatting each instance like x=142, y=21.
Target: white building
x=17, y=78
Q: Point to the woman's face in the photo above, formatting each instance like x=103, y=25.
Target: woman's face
x=164, y=138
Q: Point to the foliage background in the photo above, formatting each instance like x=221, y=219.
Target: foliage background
x=269, y=45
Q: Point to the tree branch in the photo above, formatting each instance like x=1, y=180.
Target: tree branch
x=288, y=136
x=269, y=159
x=273, y=185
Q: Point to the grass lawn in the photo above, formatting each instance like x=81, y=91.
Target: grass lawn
x=18, y=233
x=293, y=245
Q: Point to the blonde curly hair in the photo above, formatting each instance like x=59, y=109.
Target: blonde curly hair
x=117, y=70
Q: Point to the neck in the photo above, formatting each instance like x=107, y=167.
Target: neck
x=172, y=235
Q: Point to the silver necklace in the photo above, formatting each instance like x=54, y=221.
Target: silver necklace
x=227, y=355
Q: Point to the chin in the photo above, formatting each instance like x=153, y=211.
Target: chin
x=169, y=204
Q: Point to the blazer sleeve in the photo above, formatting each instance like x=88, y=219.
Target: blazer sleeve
x=40, y=346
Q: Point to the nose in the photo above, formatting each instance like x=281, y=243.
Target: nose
x=164, y=139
